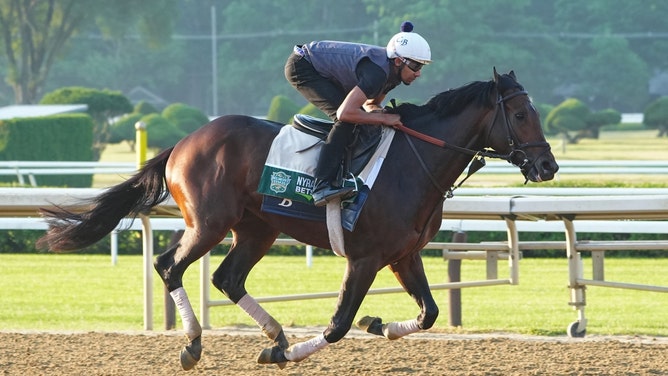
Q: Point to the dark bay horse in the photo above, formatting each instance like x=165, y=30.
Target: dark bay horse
x=213, y=175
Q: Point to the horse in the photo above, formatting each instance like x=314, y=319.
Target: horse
x=213, y=173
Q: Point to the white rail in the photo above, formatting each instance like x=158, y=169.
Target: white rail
x=31, y=169
x=596, y=167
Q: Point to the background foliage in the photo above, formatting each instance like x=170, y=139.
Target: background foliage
x=606, y=53
x=53, y=138
x=103, y=106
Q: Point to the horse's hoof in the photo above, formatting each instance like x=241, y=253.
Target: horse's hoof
x=274, y=355
x=191, y=354
x=373, y=325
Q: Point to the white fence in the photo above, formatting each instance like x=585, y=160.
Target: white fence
x=574, y=167
x=30, y=170
x=614, y=209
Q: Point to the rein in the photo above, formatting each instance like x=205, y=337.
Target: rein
x=479, y=155
x=482, y=153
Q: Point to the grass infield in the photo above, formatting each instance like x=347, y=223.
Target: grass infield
x=85, y=292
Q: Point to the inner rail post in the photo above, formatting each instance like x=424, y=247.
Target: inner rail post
x=455, y=275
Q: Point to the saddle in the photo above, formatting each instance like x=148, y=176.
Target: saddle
x=365, y=140
x=287, y=178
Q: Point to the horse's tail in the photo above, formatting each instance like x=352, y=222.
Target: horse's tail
x=69, y=231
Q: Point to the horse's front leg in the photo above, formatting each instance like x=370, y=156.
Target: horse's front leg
x=358, y=278
x=410, y=273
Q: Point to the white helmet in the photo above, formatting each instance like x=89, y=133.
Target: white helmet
x=409, y=45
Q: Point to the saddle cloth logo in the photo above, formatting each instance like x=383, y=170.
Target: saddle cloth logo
x=290, y=166
x=279, y=182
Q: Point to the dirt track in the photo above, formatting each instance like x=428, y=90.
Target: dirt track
x=431, y=354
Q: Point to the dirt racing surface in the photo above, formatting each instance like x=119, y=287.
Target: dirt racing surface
x=156, y=353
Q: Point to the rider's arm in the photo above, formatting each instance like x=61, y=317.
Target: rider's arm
x=352, y=111
x=374, y=104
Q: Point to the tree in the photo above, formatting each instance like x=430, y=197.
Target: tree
x=567, y=117
x=599, y=119
x=124, y=129
x=282, y=109
x=656, y=116
x=34, y=33
x=103, y=105
x=573, y=115
x=543, y=110
x=186, y=118
x=601, y=51
x=312, y=110
x=614, y=75
x=144, y=108
x=161, y=132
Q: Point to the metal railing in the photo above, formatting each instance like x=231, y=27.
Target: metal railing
x=29, y=170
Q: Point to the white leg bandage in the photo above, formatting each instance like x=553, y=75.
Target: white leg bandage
x=395, y=330
x=269, y=325
x=302, y=350
x=190, y=323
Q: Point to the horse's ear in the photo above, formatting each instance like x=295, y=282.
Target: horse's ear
x=512, y=74
x=496, y=76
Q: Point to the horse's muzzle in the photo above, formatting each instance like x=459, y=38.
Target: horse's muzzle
x=542, y=169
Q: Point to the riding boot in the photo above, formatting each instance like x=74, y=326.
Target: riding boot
x=328, y=183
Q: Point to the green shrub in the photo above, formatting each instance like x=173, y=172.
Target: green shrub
x=543, y=110
x=282, y=109
x=161, y=132
x=569, y=115
x=311, y=109
x=145, y=108
x=186, y=118
x=656, y=116
x=124, y=129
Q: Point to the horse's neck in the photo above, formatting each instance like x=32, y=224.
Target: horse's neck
x=466, y=130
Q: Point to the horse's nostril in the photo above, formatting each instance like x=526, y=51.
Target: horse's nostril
x=550, y=166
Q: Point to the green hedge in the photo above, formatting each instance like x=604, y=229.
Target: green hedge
x=50, y=138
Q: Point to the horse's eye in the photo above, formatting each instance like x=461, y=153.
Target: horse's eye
x=520, y=116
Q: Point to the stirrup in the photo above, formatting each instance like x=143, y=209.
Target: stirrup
x=329, y=193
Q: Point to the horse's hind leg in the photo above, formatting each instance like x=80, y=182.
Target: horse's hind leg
x=252, y=240
x=171, y=265
x=410, y=273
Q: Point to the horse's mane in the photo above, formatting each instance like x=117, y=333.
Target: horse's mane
x=454, y=101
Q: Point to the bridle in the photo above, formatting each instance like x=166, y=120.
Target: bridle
x=517, y=156
x=516, y=148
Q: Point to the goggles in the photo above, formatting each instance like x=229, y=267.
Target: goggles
x=411, y=64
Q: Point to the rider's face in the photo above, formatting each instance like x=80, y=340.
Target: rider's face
x=408, y=75
x=409, y=70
